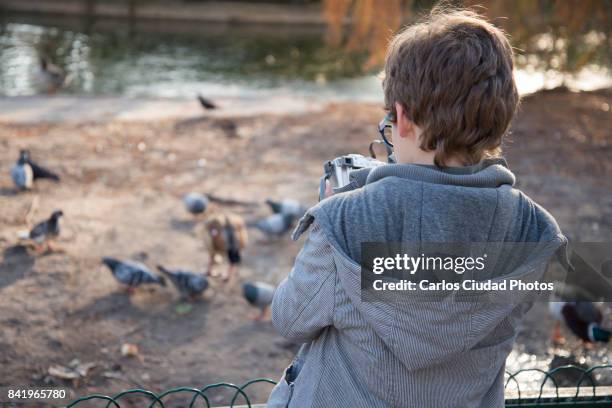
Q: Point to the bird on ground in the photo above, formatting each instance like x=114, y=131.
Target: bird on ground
x=195, y=203
x=206, y=103
x=190, y=285
x=38, y=171
x=22, y=174
x=275, y=225
x=582, y=317
x=287, y=206
x=50, y=76
x=45, y=231
x=573, y=305
x=132, y=274
x=260, y=295
x=226, y=234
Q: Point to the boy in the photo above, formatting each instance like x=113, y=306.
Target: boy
x=450, y=94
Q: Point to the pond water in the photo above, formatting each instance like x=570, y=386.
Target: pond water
x=181, y=60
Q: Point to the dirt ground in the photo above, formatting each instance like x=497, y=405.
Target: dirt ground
x=121, y=190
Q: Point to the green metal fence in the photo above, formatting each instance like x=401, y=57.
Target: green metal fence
x=196, y=397
x=585, y=393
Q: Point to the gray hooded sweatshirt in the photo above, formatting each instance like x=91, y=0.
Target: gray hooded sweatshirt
x=397, y=353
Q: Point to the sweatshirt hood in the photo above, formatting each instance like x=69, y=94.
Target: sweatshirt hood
x=437, y=329
x=489, y=173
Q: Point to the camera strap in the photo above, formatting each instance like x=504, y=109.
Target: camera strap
x=327, y=173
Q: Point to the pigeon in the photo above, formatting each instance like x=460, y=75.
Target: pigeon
x=583, y=318
x=206, y=103
x=287, y=206
x=50, y=76
x=572, y=305
x=260, y=295
x=275, y=225
x=195, y=203
x=45, y=231
x=38, y=171
x=189, y=284
x=226, y=234
x=22, y=174
x=132, y=274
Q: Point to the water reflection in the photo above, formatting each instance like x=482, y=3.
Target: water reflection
x=125, y=59
x=129, y=58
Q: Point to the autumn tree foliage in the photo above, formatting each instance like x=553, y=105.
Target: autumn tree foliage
x=563, y=35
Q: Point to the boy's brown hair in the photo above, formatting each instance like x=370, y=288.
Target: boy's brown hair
x=452, y=73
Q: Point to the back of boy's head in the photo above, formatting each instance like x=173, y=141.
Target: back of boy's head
x=452, y=73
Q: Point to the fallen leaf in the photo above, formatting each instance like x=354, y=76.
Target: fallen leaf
x=74, y=371
x=183, y=308
x=64, y=373
x=129, y=350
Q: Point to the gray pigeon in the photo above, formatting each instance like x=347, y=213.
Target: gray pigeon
x=287, y=206
x=195, y=203
x=189, y=284
x=275, y=225
x=260, y=295
x=132, y=274
x=22, y=174
x=26, y=171
x=46, y=230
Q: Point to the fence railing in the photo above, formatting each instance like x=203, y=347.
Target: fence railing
x=194, y=395
x=585, y=393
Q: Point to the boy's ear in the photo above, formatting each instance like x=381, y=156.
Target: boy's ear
x=405, y=127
